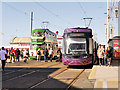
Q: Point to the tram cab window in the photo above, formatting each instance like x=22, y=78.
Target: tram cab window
x=75, y=46
x=39, y=34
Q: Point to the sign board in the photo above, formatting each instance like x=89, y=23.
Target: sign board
x=116, y=49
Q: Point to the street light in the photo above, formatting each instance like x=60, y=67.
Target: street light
x=116, y=13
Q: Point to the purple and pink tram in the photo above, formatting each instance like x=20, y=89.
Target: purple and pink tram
x=79, y=47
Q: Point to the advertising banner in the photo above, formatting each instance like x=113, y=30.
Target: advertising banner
x=116, y=49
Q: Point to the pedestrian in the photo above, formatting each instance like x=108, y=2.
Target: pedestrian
x=103, y=61
x=100, y=53
x=7, y=54
x=26, y=55
x=18, y=55
x=105, y=57
x=3, y=56
x=45, y=52
x=109, y=55
x=12, y=55
x=38, y=55
x=51, y=54
x=59, y=55
x=21, y=53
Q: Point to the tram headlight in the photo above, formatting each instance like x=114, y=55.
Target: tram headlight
x=67, y=57
x=85, y=57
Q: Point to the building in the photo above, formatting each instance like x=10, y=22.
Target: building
x=24, y=42
x=20, y=42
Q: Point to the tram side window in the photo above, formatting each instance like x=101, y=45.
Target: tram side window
x=38, y=46
x=34, y=46
x=35, y=34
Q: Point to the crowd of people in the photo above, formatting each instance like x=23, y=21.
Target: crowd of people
x=16, y=54
x=48, y=55
x=104, y=55
x=13, y=54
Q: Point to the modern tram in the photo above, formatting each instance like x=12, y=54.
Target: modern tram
x=79, y=47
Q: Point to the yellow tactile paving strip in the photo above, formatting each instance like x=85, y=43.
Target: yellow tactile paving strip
x=110, y=83
x=93, y=72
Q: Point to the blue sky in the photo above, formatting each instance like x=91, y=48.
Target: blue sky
x=60, y=15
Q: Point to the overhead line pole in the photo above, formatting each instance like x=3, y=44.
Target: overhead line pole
x=31, y=26
x=31, y=21
x=108, y=17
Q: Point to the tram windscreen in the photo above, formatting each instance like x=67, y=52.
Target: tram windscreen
x=76, y=46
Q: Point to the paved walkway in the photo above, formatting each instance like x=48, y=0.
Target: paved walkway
x=105, y=76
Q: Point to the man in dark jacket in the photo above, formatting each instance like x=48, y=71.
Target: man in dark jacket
x=109, y=55
x=18, y=54
x=45, y=52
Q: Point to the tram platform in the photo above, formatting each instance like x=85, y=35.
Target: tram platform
x=105, y=76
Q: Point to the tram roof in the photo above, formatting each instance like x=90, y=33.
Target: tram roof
x=77, y=29
x=38, y=30
x=43, y=30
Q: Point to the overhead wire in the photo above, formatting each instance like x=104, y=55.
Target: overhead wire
x=18, y=10
x=56, y=15
x=84, y=12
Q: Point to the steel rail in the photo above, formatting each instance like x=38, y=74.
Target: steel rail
x=74, y=80
x=46, y=79
x=28, y=73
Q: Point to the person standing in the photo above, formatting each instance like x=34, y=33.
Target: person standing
x=45, y=52
x=18, y=55
x=21, y=53
x=38, y=55
x=51, y=54
x=105, y=57
x=109, y=55
x=100, y=53
x=3, y=55
x=59, y=55
x=103, y=61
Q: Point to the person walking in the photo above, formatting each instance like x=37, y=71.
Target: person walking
x=45, y=52
x=109, y=55
x=18, y=55
x=26, y=55
x=51, y=54
x=12, y=55
x=38, y=55
x=100, y=53
x=3, y=55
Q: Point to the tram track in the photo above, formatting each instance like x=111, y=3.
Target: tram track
x=65, y=69
x=15, y=71
x=22, y=69
x=12, y=72
x=74, y=80
x=47, y=79
x=26, y=73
